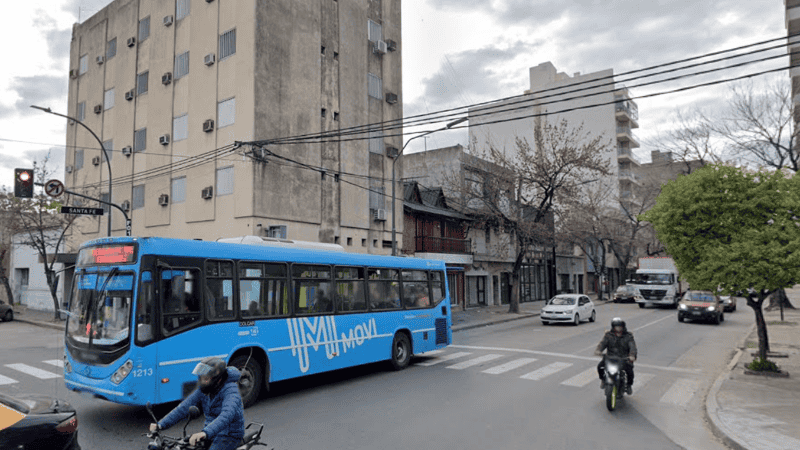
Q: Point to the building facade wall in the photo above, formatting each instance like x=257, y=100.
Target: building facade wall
x=294, y=59
x=36, y=294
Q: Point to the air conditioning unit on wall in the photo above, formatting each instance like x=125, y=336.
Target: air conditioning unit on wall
x=380, y=47
x=129, y=95
x=168, y=21
x=127, y=150
x=166, y=78
x=131, y=41
x=391, y=98
x=126, y=206
x=163, y=199
x=208, y=125
x=163, y=140
x=209, y=59
x=96, y=161
x=207, y=193
x=380, y=214
x=100, y=60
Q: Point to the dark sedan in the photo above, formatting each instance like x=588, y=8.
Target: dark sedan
x=624, y=294
x=33, y=421
x=6, y=312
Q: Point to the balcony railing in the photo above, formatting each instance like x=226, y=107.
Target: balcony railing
x=631, y=111
x=626, y=129
x=629, y=175
x=625, y=150
x=430, y=244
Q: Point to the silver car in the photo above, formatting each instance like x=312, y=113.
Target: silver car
x=728, y=303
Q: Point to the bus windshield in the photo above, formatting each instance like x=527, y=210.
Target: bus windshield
x=652, y=278
x=99, y=312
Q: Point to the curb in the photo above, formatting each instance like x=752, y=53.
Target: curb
x=711, y=410
x=41, y=324
x=493, y=322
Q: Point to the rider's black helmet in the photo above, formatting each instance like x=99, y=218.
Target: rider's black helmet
x=211, y=374
x=618, y=322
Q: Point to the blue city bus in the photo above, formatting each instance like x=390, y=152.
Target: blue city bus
x=144, y=311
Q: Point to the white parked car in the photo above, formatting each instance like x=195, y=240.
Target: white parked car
x=571, y=308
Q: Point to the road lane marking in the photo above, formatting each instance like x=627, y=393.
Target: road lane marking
x=545, y=371
x=583, y=378
x=443, y=358
x=474, y=361
x=653, y=322
x=681, y=391
x=511, y=365
x=567, y=355
x=55, y=362
x=6, y=380
x=33, y=371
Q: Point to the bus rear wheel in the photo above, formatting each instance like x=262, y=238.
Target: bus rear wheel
x=251, y=378
x=401, y=351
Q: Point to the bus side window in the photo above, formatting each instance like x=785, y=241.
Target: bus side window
x=219, y=290
x=437, y=286
x=312, y=289
x=416, y=293
x=263, y=290
x=180, y=299
x=349, y=293
x=384, y=289
x=144, y=309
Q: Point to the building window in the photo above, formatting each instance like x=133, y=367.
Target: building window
x=111, y=49
x=182, y=9
x=144, y=29
x=376, y=194
x=181, y=65
x=141, y=82
x=108, y=99
x=84, y=65
x=140, y=140
x=180, y=128
x=138, y=197
x=277, y=231
x=374, y=31
x=374, y=87
x=81, y=111
x=227, y=44
x=79, y=159
x=376, y=142
x=108, y=146
x=179, y=190
x=488, y=235
x=224, y=181
x=226, y=113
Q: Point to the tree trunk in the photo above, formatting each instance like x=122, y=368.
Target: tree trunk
x=513, y=302
x=52, y=283
x=761, y=324
x=4, y=278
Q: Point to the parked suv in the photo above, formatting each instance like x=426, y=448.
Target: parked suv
x=701, y=305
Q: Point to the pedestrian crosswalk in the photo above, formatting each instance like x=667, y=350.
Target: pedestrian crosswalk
x=674, y=386
x=15, y=372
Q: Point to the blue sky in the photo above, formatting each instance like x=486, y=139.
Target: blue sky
x=455, y=53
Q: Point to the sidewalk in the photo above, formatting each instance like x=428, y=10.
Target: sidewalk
x=757, y=412
x=36, y=317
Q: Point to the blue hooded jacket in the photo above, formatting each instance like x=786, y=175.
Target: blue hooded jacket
x=224, y=410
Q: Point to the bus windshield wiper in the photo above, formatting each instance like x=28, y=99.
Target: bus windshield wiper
x=94, y=305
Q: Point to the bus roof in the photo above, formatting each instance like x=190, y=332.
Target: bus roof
x=226, y=250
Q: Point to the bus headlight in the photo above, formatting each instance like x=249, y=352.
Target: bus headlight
x=122, y=372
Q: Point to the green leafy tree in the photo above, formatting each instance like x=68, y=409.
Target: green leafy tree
x=735, y=230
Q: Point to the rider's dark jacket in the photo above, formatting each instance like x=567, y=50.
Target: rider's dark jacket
x=619, y=346
x=223, y=410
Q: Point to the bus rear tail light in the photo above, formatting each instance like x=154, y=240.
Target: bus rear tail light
x=122, y=372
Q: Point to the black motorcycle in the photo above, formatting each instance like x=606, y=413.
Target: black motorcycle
x=163, y=442
x=616, y=380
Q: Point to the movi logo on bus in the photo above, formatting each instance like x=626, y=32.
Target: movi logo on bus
x=316, y=332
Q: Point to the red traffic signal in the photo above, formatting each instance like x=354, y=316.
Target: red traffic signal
x=23, y=183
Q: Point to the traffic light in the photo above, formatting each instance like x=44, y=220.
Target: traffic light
x=23, y=183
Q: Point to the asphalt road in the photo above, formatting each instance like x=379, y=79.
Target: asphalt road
x=514, y=385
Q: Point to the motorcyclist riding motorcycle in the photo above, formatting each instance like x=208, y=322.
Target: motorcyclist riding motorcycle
x=219, y=399
x=618, y=342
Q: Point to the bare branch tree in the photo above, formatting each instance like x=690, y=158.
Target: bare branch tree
x=692, y=140
x=41, y=227
x=520, y=196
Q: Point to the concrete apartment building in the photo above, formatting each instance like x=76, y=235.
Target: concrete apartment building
x=170, y=85
x=592, y=100
x=793, y=28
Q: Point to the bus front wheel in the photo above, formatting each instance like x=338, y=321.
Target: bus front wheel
x=251, y=378
x=401, y=351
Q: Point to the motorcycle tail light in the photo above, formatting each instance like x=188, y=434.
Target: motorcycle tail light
x=68, y=426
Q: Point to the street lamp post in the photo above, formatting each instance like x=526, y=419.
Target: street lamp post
x=102, y=147
x=394, y=182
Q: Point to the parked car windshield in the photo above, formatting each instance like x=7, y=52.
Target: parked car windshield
x=562, y=301
x=624, y=289
x=652, y=278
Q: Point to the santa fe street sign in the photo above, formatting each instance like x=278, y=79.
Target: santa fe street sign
x=85, y=211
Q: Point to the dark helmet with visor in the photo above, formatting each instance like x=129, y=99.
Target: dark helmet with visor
x=618, y=322
x=211, y=374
